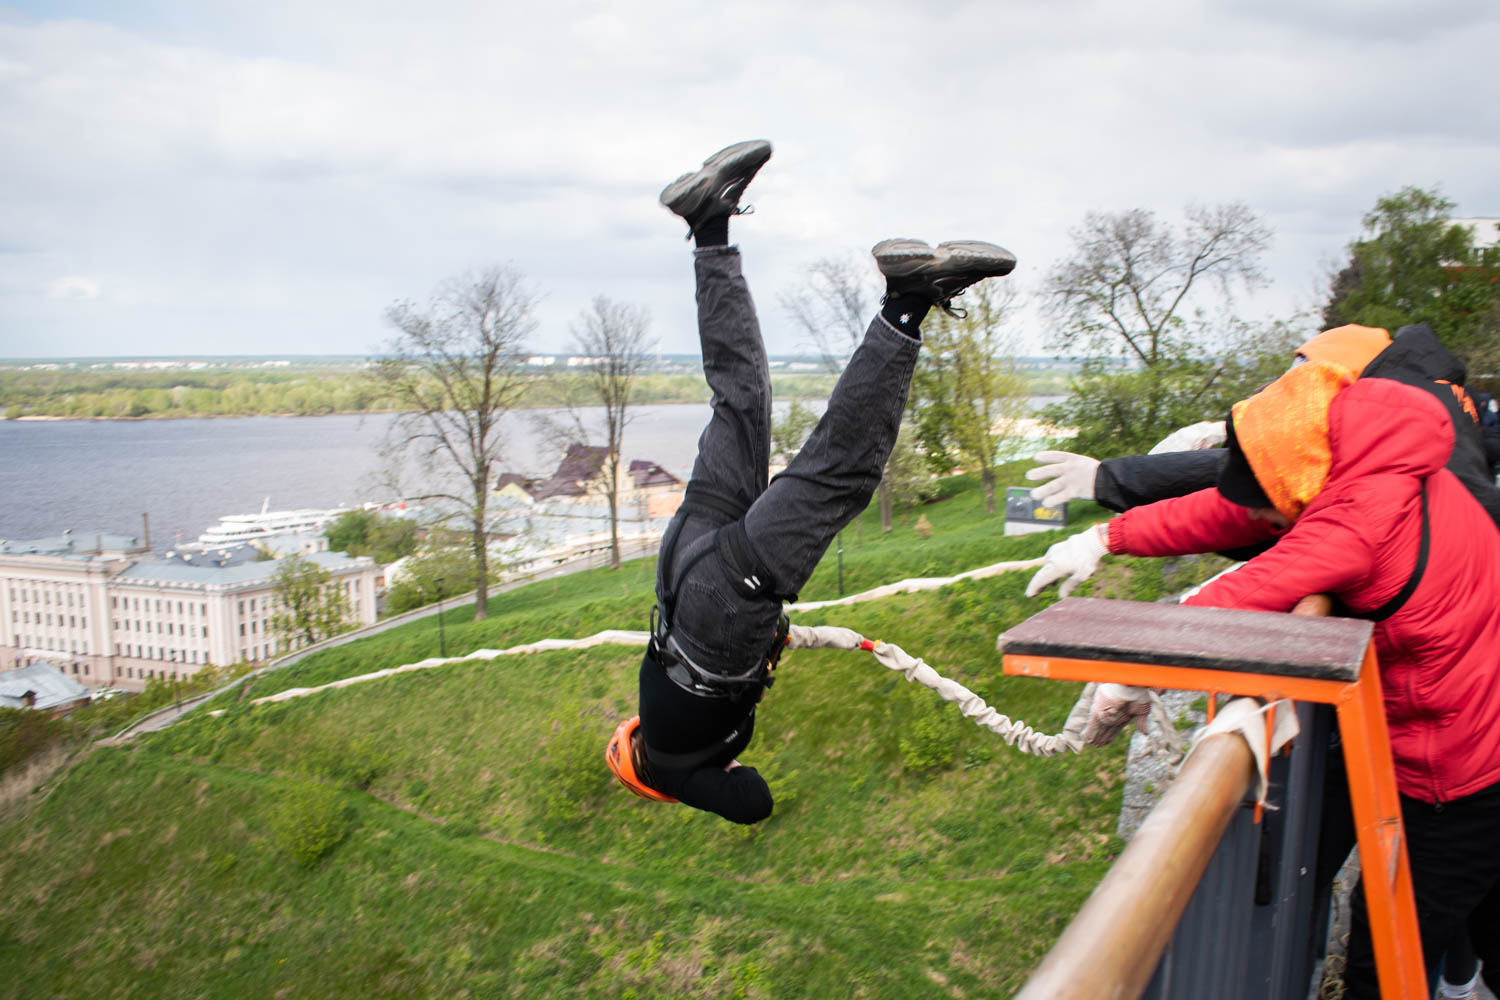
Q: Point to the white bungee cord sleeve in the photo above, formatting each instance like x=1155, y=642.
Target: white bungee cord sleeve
x=1016, y=733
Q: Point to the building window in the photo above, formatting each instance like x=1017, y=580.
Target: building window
x=242, y=607
x=252, y=605
x=242, y=628
x=204, y=608
x=205, y=631
x=72, y=621
x=114, y=602
x=179, y=607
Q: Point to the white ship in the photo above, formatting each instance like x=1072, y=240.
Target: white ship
x=235, y=528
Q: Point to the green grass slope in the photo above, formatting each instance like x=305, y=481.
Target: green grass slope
x=453, y=832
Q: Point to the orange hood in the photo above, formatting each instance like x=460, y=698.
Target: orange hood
x=1351, y=346
x=1283, y=433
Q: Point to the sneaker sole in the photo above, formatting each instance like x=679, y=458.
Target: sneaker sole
x=903, y=258
x=736, y=164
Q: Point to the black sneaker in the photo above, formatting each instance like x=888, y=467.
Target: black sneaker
x=714, y=190
x=911, y=267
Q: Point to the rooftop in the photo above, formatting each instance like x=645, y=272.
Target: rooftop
x=177, y=570
x=83, y=543
x=49, y=686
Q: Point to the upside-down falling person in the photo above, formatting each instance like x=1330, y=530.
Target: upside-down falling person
x=740, y=546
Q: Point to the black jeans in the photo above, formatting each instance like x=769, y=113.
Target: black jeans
x=1454, y=850
x=788, y=522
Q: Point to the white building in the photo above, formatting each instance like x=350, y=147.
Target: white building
x=103, y=609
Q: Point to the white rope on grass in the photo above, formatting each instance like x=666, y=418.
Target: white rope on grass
x=918, y=583
x=916, y=670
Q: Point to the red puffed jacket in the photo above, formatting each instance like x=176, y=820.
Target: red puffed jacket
x=1358, y=539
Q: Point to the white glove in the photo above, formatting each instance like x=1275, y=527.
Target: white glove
x=1072, y=477
x=1115, y=706
x=1193, y=437
x=1073, y=558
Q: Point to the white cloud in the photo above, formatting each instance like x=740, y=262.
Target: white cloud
x=268, y=178
x=73, y=288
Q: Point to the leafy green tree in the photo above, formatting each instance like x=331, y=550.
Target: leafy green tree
x=1133, y=296
x=444, y=566
x=908, y=478
x=308, y=606
x=1106, y=405
x=967, y=391
x=369, y=533
x=1413, y=265
x=790, y=431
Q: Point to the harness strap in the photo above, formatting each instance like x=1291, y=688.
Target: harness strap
x=748, y=575
x=701, y=499
x=697, y=758
x=1395, y=604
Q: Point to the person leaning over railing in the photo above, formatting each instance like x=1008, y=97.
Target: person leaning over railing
x=1187, y=460
x=1346, y=479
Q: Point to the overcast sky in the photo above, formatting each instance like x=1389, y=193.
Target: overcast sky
x=263, y=178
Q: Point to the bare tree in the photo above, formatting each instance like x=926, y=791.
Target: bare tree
x=1133, y=289
x=831, y=309
x=1130, y=276
x=612, y=337
x=453, y=371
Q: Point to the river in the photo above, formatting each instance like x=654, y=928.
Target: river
x=102, y=475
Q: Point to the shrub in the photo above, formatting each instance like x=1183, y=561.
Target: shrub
x=309, y=821
x=574, y=772
x=931, y=740
x=25, y=733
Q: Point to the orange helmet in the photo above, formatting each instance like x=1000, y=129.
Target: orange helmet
x=620, y=756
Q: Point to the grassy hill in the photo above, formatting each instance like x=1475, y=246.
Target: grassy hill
x=453, y=832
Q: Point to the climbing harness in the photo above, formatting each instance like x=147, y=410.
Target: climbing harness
x=747, y=577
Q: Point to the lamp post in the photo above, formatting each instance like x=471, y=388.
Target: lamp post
x=442, y=640
x=840, y=537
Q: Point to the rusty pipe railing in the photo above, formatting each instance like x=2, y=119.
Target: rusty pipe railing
x=1114, y=943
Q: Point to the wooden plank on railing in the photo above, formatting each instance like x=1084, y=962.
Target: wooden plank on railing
x=1263, y=642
